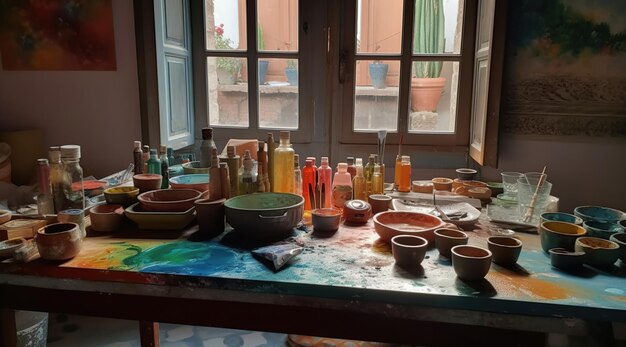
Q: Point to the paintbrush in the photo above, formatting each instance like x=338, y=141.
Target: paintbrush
x=382, y=136
x=323, y=196
x=312, y=197
x=533, y=199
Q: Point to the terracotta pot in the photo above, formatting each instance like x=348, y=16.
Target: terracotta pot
x=471, y=263
x=408, y=250
x=106, y=217
x=147, y=182
x=505, y=250
x=379, y=202
x=59, y=241
x=425, y=93
x=445, y=239
x=326, y=219
x=210, y=216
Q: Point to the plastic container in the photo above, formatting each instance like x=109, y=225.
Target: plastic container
x=283, y=166
x=342, y=186
x=324, y=177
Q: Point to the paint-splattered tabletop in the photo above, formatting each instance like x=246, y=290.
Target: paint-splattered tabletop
x=354, y=263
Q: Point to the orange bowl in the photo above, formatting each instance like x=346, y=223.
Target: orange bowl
x=168, y=200
x=392, y=223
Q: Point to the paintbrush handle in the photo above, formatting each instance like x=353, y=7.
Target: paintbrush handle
x=533, y=200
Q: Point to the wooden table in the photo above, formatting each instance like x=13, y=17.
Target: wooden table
x=344, y=284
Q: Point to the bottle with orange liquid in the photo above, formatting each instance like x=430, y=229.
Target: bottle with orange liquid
x=404, y=184
x=309, y=185
x=324, y=178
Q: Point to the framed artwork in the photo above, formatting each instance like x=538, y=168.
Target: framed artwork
x=57, y=35
x=565, y=68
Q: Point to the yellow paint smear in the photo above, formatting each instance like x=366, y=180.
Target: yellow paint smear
x=530, y=286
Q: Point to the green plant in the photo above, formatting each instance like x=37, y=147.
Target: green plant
x=259, y=38
x=229, y=64
x=292, y=64
x=428, y=36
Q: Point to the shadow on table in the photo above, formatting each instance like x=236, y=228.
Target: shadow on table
x=408, y=272
x=481, y=287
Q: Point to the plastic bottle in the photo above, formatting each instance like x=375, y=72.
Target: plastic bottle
x=351, y=167
x=271, y=148
x=342, y=186
x=215, y=177
x=73, y=189
x=154, y=164
x=396, y=175
x=45, y=203
x=283, y=165
x=377, y=180
x=297, y=175
x=309, y=185
x=233, y=169
x=368, y=172
x=324, y=175
x=138, y=158
x=56, y=178
x=405, y=174
x=146, y=155
x=248, y=177
x=165, y=182
x=359, y=184
x=316, y=191
x=206, y=146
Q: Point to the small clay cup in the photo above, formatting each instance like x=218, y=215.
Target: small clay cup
x=505, y=250
x=465, y=174
x=379, y=202
x=563, y=259
x=442, y=183
x=620, y=239
x=446, y=238
x=471, y=263
x=106, y=217
x=147, y=182
x=326, y=219
x=59, y=241
x=211, y=216
x=408, y=250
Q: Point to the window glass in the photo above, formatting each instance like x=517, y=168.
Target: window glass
x=277, y=25
x=225, y=24
x=438, y=26
x=379, y=26
x=376, y=95
x=227, y=91
x=278, y=94
x=433, y=97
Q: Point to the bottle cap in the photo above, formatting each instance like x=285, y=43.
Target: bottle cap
x=406, y=158
x=371, y=159
x=284, y=135
x=359, y=162
x=312, y=159
x=55, y=154
x=308, y=163
x=42, y=162
x=342, y=167
x=137, y=145
x=270, y=135
x=324, y=160
x=261, y=146
x=350, y=160
x=70, y=151
x=230, y=151
x=207, y=133
x=162, y=149
x=153, y=151
x=145, y=148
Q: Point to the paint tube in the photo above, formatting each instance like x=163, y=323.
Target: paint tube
x=278, y=254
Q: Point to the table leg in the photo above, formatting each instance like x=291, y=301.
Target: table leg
x=149, y=334
x=8, y=330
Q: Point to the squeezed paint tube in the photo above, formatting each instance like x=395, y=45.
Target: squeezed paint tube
x=279, y=253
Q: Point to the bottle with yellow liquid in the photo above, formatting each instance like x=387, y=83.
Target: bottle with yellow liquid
x=283, y=165
x=358, y=183
x=377, y=181
x=405, y=174
x=368, y=172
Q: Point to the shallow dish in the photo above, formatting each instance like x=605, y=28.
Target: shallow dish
x=392, y=223
x=496, y=188
x=159, y=220
x=193, y=167
x=563, y=259
x=8, y=247
x=598, y=252
x=125, y=196
x=442, y=183
x=147, y=182
x=465, y=174
x=460, y=213
x=599, y=213
x=199, y=182
x=168, y=200
x=5, y=216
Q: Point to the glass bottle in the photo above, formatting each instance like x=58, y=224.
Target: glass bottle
x=283, y=165
x=351, y=167
x=171, y=161
x=396, y=175
x=309, y=185
x=271, y=148
x=154, y=164
x=358, y=184
x=137, y=157
x=165, y=182
x=248, y=176
x=324, y=175
x=233, y=169
x=377, y=180
x=368, y=172
x=297, y=175
x=342, y=186
x=45, y=203
x=405, y=174
x=206, y=146
x=73, y=189
x=146, y=155
x=56, y=178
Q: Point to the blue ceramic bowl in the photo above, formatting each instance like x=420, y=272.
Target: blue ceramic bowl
x=199, y=182
x=603, y=230
x=560, y=217
x=599, y=213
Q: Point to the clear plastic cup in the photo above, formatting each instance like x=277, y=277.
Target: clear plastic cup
x=509, y=182
x=524, y=197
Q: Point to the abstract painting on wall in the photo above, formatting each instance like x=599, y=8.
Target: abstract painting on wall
x=564, y=71
x=57, y=35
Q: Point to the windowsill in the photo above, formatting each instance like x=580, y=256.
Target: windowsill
x=242, y=87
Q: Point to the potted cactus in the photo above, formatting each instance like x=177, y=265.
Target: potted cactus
x=427, y=83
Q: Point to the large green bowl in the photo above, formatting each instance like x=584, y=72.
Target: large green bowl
x=264, y=216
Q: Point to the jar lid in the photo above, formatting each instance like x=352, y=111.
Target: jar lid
x=358, y=205
x=70, y=151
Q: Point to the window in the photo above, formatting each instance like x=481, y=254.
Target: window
x=337, y=50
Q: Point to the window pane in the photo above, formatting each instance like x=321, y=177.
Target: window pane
x=278, y=25
x=225, y=24
x=228, y=91
x=376, y=96
x=379, y=26
x=438, y=26
x=433, y=96
x=278, y=99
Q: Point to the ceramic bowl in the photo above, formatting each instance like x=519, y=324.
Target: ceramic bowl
x=107, y=217
x=620, y=239
x=471, y=263
x=5, y=216
x=8, y=247
x=392, y=223
x=125, y=196
x=422, y=187
x=598, y=252
x=265, y=216
x=357, y=211
x=465, y=174
x=505, y=250
x=408, y=250
x=168, y=200
x=603, y=230
x=446, y=238
x=199, y=182
x=147, y=182
x=147, y=220
x=379, y=202
x=561, y=217
x=481, y=193
x=193, y=167
x=559, y=235
x=563, y=259
x=326, y=219
x=59, y=241
x=599, y=213
x=442, y=183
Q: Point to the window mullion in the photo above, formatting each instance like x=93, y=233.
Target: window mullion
x=405, y=65
x=253, y=85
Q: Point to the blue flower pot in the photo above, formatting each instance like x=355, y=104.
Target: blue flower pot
x=292, y=76
x=263, y=64
x=378, y=74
